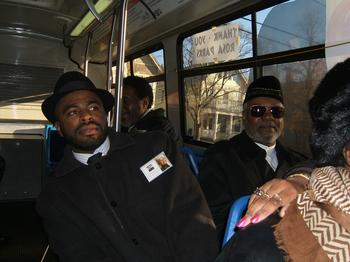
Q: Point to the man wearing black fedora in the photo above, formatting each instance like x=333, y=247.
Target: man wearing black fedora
x=236, y=167
x=108, y=199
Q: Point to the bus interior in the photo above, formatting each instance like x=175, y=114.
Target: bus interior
x=198, y=55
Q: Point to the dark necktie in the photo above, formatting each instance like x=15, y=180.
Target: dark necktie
x=92, y=159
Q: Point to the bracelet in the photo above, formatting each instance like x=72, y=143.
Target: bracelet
x=300, y=175
x=306, y=185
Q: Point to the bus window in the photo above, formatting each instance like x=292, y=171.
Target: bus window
x=22, y=89
x=291, y=25
x=148, y=65
x=299, y=80
x=227, y=42
x=127, y=71
x=214, y=104
x=151, y=66
x=285, y=40
x=159, y=95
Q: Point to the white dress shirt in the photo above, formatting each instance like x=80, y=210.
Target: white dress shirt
x=271, y=156
x=83, y=157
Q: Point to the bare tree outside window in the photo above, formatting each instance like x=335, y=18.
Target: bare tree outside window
x=216, y=96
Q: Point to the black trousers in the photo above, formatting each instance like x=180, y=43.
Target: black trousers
x=254, y=243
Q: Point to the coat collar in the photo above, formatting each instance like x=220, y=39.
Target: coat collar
x=68, y=163
x=251, y=151
x=148, y=118
x=247, y=147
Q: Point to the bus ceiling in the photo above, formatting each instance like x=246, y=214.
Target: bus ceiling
x=60, y=21
x=150, y=21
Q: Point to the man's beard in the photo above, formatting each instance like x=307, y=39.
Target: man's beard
x=258, y=137
x=88, y=144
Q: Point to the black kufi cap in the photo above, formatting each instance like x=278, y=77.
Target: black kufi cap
x=266, y=86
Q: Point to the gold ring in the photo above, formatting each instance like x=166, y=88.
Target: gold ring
x=261, y=193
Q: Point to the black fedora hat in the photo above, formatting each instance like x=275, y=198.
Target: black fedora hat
x=70, y=82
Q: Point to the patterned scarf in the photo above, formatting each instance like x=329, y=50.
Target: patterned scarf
x=328, y=187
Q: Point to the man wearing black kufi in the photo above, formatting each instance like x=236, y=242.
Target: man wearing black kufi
x=236, y=167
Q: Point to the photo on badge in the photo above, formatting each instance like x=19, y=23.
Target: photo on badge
x=163, y=162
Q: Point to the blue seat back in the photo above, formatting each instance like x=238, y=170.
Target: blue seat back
x=194, y=158
x=54, y=145
x=236, y=212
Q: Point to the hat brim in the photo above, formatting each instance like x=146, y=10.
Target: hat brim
x=48, y=107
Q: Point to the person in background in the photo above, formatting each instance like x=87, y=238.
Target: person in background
x=108, y=200
x=315, y=224
x=236, y=167
x=137, y=112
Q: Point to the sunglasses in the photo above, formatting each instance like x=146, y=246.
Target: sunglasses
x=259, y=110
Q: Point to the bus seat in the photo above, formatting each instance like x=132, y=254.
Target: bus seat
x=236, y=212
x=54, y=145
x=24, y=236
x=194, y=158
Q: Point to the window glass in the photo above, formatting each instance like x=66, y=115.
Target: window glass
x=149, y=65
x=126, y=71
x=22, y=111
x=299, y=80
x=23, y=89
x=214, y=104
x=159, y=96
x=227, y=42
x=291, y=25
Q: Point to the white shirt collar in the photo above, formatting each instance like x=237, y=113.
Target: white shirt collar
x=266, y=148
x=271, y=156
x=103, y=148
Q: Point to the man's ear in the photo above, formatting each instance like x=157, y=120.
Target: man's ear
x=244, y=111
x=58, y=128
x=346, y=155
x=243, y=115
x=145, y=102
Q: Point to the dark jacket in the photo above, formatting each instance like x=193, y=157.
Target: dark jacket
x=236, y=167
x=154, y=120
x=108, y=211
x=2, y=167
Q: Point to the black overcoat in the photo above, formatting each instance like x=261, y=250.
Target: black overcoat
x=108, y=211
x=236, y=167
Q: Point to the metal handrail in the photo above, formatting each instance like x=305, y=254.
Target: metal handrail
x=86, y=60
x=122, y=19
x=109, y=64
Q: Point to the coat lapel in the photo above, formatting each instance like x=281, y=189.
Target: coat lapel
x=283, y=164
x=253, y=159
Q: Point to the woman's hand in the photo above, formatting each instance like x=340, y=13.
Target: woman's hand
x=275, y=195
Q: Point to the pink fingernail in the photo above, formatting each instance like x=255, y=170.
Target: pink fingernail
x=242, y=223
x=255, y=219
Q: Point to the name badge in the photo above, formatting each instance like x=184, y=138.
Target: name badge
x=156, y=166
